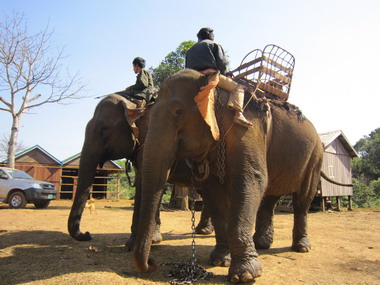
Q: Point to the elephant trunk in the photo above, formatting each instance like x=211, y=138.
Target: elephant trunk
x=156, y=164
x=86, y=176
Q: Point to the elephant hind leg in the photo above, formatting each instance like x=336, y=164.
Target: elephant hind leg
x=301, y=204
x=264, y=230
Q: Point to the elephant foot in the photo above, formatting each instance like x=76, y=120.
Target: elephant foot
x=262, y=241
x=303, y=245
x=244, y=271
x=204, y=229
x=220, y=256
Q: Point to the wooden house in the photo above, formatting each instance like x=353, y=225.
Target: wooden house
x=337, y=156
x=41, y=165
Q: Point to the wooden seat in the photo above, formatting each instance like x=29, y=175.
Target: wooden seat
x=270, y=70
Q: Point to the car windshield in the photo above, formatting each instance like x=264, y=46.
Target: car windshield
x=15, y=173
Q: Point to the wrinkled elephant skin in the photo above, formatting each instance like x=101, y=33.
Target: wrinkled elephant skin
x=280, y=154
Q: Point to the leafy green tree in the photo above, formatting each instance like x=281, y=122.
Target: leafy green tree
x=363, y=194
x=369, y=152
x=127, y=190
x=366, y=171
x=173, y=62
x=375, y=185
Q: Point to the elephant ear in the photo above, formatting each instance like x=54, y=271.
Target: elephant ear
x=205, y=100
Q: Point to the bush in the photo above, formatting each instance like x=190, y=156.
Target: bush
x=364, y=195
x=127, y=192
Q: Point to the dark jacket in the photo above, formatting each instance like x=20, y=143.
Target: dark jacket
x=206, y=54
x=143, y=88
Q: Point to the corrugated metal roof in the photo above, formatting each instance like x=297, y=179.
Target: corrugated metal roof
x=329, y=137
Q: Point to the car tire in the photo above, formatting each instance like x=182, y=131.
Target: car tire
x=17, y=200
x=41, y=204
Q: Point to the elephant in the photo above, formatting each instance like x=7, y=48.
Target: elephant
x=282, y=153
x=108, y=137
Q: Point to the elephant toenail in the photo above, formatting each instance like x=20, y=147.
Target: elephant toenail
x=235, y=278
x=246, y=277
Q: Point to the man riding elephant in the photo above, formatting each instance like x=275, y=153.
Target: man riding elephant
x=141, y=92
x=206, y=56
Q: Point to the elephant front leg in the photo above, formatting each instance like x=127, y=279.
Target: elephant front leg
x=264, y=230
x=245, y=266
x=215, y=199
x=245, y=199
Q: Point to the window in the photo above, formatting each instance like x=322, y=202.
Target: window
x=331, y=171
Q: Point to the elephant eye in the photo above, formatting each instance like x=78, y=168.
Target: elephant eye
x=178, y=112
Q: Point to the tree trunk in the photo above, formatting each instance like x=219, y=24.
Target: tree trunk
x=13, y=141
x=183, y=192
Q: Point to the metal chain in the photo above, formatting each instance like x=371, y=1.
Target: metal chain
x=188, y=272
x=194, y=251
x=221, y=144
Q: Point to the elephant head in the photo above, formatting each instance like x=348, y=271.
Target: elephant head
x=181, y=126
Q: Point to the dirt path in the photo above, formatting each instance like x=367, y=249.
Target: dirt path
x=36, y=249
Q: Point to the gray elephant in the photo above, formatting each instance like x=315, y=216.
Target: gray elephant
x=280, y=154
x=110, y=136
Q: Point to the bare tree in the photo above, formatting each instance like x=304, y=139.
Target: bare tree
x=30, y=74
x=4, y=145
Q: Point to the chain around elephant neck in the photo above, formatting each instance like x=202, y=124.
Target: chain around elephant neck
x=221, y=144
x=188, y=272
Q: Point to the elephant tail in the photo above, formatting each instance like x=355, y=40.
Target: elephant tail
x=334, y=182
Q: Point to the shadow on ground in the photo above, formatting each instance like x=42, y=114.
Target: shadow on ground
x=27, y=256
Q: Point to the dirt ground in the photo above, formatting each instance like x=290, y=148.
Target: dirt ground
x=35, y=248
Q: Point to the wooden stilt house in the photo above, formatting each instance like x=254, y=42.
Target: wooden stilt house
x=338, y=153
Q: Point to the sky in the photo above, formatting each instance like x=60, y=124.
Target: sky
x=335, y=43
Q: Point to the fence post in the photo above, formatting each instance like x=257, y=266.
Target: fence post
x=118, y=187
